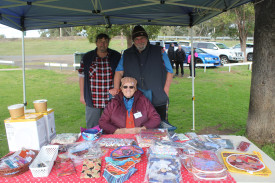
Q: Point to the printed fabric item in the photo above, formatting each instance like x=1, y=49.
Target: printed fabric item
x=122, y=164
x=65, y=167
x=91, y=168
x=251, y=164
x=126, y=151
x=65, y=138
x=118, y=178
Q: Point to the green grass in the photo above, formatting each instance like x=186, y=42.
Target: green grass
x=61, y=46
x=7, y=66
x=221, y=99
x=46, y=46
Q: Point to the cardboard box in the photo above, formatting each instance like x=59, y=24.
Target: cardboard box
x=49, y=122
x=28, y=131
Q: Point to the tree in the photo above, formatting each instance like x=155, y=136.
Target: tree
x=59, y=32
x=245, y=23
x=238, y=22
x=115, y=30
x=261, y=116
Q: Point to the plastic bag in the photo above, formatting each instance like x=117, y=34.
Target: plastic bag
x=162, y=170
x=64, y=167
x=78, y=151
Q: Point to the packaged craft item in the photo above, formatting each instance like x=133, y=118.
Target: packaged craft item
x=147, y=137
x=163, y=149
x=65, y=138
x=121, y=165
x=115, y=142
x=243, y=146
x=204, y=165
x=16, y=163
x=92, y=133
x=245, y=163
x=91, y=168
x=64, y=167
x=182, y=137
x=192, y=135
x=163, y=170
x=225, y=143
x=126, y=151
x=79, y=150
x=94, y=152
x=202, y=145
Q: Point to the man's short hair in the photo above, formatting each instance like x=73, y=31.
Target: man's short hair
x=102, y=35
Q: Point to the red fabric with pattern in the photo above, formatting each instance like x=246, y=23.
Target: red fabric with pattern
x=136, y=177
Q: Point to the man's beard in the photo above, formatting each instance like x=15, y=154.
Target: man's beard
x=141, y=47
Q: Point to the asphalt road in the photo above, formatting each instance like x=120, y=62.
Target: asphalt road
x=37, y=61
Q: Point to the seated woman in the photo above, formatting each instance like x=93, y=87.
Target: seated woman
x=129, y=112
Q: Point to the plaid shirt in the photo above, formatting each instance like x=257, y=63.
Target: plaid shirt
x=101, y=80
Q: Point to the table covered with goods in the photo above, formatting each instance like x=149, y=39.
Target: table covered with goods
x=153, y=155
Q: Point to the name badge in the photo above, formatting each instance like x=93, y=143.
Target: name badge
x=137, y=115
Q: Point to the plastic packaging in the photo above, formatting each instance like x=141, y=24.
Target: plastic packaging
x=204, y=165
x=162, y=170
x=147, y=137
x=115, y=142
x=65, y=138
x=79, y=150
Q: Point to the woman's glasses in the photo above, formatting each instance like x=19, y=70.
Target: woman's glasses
x=131, y=87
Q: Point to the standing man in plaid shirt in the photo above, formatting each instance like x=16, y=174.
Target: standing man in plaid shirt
x=96, y=73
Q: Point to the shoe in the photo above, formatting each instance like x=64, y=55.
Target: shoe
x=176, y=74
x=182, y=75
x=189, y=77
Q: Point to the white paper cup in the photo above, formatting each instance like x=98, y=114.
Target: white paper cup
x=40, y=105
x=16, y=110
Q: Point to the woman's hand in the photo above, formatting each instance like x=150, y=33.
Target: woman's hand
x=114, y=91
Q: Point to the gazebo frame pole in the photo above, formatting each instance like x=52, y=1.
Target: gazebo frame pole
x=193, y=78
x=23, y=69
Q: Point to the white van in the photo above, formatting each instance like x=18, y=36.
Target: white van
x=221, y=50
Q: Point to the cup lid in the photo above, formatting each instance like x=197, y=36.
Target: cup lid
x=16, y=106
x=40, y=101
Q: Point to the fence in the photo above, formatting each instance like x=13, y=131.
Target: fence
x=55, y=65
x=199, y=38
x=6, y=62
x=236, y=64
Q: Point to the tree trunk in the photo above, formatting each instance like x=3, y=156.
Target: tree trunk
x=129, y=41
x=261, y=116
x=241, y=21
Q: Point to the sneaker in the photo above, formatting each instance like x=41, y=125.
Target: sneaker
x=189, y=77
x=176, y=74
x=182, y=75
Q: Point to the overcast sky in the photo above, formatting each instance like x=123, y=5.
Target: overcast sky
x=13, y=33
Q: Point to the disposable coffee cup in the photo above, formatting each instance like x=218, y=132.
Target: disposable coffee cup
x=16, y=110
x=40, y=105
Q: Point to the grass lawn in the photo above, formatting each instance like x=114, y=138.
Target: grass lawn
x=62, y=46
x=47, y=46
x=221, y=100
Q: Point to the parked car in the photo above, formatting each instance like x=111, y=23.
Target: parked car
x=249, y=50
x=203, y=57
x=225, y=54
